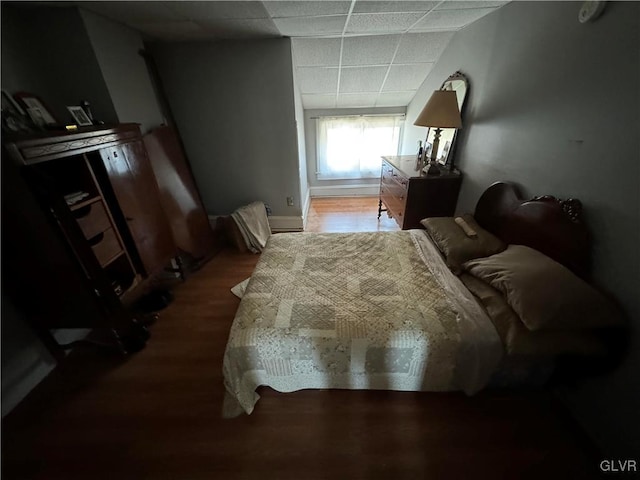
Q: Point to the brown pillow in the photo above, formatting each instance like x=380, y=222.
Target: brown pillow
x=519, y=340
x=456, y=246
x=544, y=294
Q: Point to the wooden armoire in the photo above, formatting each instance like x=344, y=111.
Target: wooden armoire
x=82, y=226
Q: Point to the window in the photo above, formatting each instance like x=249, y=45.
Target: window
x=350, y=147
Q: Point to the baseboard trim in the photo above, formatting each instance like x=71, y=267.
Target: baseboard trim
x=277, y=223
x=286, y=224
x=345, y=191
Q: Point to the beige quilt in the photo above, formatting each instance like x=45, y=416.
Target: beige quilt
x=357, y=311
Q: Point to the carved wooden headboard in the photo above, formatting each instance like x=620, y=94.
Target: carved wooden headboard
x=547, y=224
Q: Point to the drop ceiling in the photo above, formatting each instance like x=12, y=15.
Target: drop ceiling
x=346, y=53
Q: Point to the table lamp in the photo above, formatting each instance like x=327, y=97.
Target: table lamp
x=441, y=111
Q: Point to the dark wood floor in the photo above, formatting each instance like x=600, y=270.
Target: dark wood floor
x=156, y=415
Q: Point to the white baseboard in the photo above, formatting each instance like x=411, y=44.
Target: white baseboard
x=286, y=224
x=345, y=191
x=277, y=223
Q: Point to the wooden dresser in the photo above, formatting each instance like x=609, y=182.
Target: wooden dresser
x=82, y=226
x=408, y=195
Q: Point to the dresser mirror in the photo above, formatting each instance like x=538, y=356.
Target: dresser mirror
x=458, y=83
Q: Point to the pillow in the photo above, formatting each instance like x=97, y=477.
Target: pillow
x=544, y=294
x=519, y=340
x=456, y=246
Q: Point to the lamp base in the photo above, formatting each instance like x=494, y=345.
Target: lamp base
x=433, y=169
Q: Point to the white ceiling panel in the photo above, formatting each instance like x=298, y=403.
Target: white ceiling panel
x=319, y=101
x=312, y=52
x=369, y=50
x=354, y=100
x=382, y=22
x=450, y=19
x=362, y=79
x=394, y=99
x=310, y=26
x=406, y=77
x=422, y=47
x=346, y=53
x=306, y=8
x=393, y=6
x=318, y=80
x=218, y=10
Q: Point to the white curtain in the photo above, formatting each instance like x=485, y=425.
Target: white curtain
x=351, y=147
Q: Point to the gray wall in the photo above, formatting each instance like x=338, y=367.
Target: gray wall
x=311, y=135
x=234, y=105
x=116, y=48
x=554, y=106
x=46, y=51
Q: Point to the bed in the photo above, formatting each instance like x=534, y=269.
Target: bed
x=439, y=309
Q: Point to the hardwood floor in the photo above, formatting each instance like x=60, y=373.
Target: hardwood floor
x=347, y=214
x=156, y=415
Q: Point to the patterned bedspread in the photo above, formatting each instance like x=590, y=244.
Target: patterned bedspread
x=353, y=310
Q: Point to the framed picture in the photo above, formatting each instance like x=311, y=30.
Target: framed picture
x=10, y=105
x=79, y=115
x=445, y=153
x=29, y=100
x=37, y=117
x=427, y=149
x=13, y=116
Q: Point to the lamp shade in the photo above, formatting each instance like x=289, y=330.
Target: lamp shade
x=441, y=111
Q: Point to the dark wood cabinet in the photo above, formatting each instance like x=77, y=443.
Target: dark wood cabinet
x=136, y=192
x=409, y=195
x=82, y=226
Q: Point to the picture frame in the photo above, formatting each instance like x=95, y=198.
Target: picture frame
x=14, y=119
x=79, y=115
x=10, y=105
x=30, y=100
x=37, y=117
x=442, y=160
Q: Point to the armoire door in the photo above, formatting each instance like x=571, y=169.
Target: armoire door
x=136, y=191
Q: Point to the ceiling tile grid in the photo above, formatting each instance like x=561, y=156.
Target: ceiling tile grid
x=369, y=50
x=346, y=53
x=361, y=79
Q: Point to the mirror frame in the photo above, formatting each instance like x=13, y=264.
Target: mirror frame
x=446, y=85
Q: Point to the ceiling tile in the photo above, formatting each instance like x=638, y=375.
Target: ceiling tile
x=362, y=79
x=306, y=8
x=249, y=28
x=381, y=22
x=395, y=99
x=318, y=101
x=301, y=26
x=318, y=79
x=217, y=10
x=406, y=77
x=391, y=6
x=312, y=52
x=450, y=19
x=459, y=5
x=369, y=50
x=356, y=100
x=421, y=47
